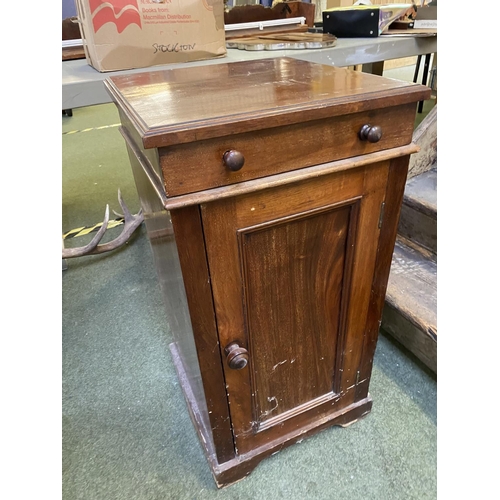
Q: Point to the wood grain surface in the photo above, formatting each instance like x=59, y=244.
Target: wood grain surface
x=181, y=105
x=290, y=270
x=196, y=166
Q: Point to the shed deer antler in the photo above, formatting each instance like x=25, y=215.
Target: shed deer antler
x=132, y=222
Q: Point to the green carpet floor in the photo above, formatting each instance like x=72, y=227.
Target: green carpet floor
x=126, y=432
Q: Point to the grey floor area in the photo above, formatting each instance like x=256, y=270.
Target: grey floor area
x=126, y=432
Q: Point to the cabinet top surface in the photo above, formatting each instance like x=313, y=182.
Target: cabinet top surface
x=244, y=94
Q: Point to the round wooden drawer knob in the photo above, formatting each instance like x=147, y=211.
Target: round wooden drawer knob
x=234, y=160
x=370, y=133
x=237, y=357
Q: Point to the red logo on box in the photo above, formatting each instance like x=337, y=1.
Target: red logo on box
x=121, y=13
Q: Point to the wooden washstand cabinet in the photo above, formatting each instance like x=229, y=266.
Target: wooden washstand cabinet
x=271, y=191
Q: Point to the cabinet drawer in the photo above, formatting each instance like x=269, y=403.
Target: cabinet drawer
x=192, y=167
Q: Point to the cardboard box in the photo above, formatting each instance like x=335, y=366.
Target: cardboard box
x=126, y=34
x=338, y=3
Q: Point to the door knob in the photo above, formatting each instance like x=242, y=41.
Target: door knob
x=370, y=133
x=234, y=160
x=237, y=357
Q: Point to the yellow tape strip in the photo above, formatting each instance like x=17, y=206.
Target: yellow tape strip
x=82, y=231
x=90, y=129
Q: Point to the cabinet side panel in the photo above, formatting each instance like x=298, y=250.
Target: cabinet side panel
x=214, y=425
x=151, y=154
x=161, y=236
x=293, y=281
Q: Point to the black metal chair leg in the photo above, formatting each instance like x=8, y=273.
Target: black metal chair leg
x=417, y=68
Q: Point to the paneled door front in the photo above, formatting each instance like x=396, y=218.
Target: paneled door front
x=291, y=270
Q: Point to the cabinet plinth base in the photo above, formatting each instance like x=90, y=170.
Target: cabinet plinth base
x=241, y=466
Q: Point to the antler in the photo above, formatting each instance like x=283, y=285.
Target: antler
x=132, y=222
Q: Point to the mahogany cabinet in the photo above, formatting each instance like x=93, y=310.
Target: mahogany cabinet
x=271, y=191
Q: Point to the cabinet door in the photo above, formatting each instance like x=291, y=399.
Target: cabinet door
x=291, y=270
